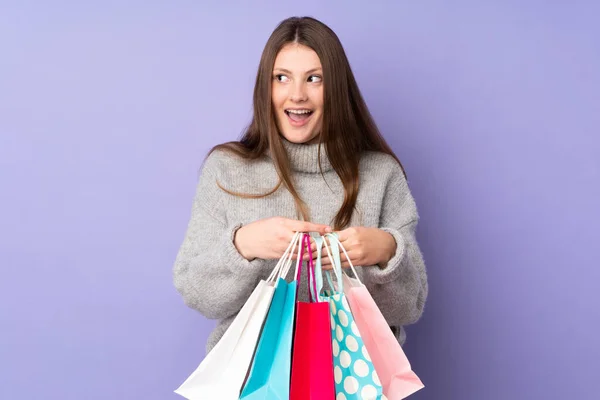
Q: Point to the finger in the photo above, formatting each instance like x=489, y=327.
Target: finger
x=344, y=235
x=343, y=242
x=302, y=226
x=347, y=246
x=343, y=256
x=299, y=244
x=294, y=251
x=305, y=256
x=305, y=253
x=326, y=261
x=343, y=259
x=345, y=264
x=327, y=246
x=313, y=245
x=327, y=253
x=311, y=253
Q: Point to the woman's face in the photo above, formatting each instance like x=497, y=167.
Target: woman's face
x=297, y=93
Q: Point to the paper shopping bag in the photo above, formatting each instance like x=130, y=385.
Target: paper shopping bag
x=224, y=369
x=312, y=360
x=269, y=377
x=392, y=366
x=355, y=375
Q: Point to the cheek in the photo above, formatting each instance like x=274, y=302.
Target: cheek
x=317, y=98
x=277, y=98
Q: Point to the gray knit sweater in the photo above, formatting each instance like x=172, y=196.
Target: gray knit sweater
x=213, y=278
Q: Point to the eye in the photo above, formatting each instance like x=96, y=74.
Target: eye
x=281, y=78
x=315, y=78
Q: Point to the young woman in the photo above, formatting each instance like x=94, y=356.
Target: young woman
x=311, y=153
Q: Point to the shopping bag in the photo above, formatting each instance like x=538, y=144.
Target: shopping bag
x=269, y=377
x=393, y=368
x=354, y=373
x=312, y=360
x=224, y=369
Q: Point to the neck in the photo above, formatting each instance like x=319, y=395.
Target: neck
x=304, y=157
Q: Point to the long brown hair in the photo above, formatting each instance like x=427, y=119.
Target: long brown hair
x=348, y=128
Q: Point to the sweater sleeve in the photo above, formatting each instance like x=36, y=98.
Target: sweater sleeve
x=209, y=273
x=400, y=288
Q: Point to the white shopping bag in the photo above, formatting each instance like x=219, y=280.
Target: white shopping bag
x=223, y=371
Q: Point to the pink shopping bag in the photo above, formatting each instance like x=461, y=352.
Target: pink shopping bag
x=393, y=368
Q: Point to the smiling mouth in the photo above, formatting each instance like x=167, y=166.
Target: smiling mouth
x=298, y=117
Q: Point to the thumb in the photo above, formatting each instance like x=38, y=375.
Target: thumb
x=343, y=235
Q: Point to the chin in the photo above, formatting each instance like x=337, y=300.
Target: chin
x=298, y=138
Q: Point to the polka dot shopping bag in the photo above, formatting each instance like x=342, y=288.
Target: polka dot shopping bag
x=397, y=378
x=354, y=374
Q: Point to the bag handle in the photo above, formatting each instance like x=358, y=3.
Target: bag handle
x=336, y=245
x=336, y=265
x=318, y=266
x=285, y=261
x=337, y=240
x=311, y=268
x=288, y=265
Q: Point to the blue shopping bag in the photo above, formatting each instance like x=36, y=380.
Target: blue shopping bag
x=269, y=377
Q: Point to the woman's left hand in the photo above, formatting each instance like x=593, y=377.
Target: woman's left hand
x=365, y=247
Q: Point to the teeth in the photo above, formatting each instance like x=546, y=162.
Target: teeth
x=299, y=111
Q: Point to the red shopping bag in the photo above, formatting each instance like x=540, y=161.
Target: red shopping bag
x=312, y=356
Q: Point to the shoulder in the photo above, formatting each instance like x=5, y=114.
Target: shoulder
x=219, y=161
x=383, y=175
x=379, y=159
x=237, y=173
x=375, y=164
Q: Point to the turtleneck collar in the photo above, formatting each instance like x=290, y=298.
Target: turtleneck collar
x=304, y=157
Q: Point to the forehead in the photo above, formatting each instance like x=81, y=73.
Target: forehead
x=297, y=58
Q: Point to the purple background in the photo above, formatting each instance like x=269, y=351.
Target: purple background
x=107, y=110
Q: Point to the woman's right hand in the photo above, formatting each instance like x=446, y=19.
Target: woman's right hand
x=269, y=238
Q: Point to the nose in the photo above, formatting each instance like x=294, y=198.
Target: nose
x=298, y=92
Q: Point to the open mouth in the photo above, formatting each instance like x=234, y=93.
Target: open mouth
x=298, y=117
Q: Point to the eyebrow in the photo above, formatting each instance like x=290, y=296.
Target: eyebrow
x=310, y=71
